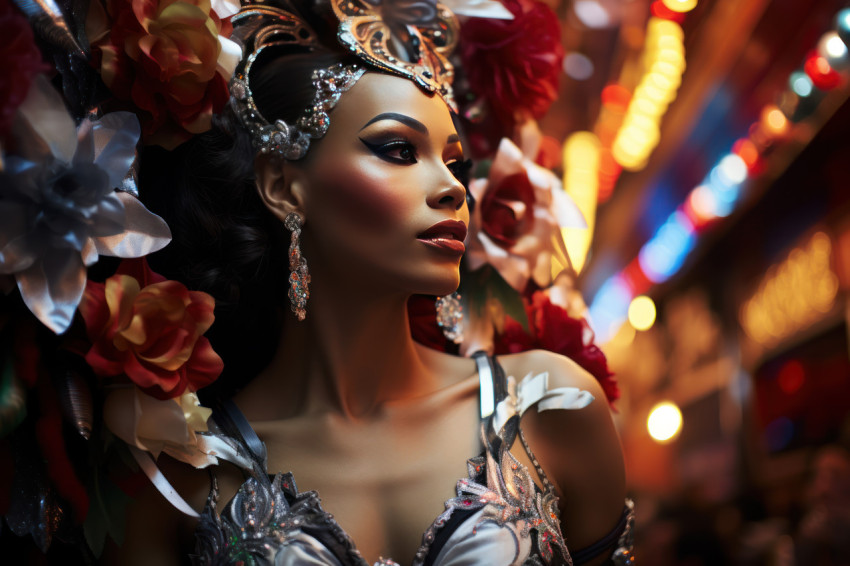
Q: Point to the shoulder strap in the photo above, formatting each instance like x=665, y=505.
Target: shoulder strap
x=233, y=422
x=492, y=382
x=493, y=390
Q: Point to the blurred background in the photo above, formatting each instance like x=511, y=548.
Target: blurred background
x=709, y=142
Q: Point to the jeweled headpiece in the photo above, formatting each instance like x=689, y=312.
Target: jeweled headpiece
x=408, y=38
x=401, y=37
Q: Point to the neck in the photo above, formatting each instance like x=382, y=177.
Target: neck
x=352, y=354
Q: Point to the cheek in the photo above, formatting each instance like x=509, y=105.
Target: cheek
x=366, y=194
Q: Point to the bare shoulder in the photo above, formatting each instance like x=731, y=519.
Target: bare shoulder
x=579, y=449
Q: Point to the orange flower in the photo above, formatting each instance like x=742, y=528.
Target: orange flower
x=163, y=57
x=150, y=329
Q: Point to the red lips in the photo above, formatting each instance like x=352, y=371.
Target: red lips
x=447, y=235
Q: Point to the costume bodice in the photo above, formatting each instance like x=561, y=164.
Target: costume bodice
x=498, y=516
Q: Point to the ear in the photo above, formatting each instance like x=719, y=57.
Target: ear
x=281, y=185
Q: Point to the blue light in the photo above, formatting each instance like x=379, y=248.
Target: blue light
x=665, y=252
x=801, y=84
x=610, y=307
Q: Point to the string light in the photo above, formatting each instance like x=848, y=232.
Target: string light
x=664, y=59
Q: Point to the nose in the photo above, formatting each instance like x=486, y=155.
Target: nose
x=449, y=191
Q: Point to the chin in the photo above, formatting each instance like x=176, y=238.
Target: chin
x=446, y=286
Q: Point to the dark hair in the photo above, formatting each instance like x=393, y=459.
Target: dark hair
x=225, y=241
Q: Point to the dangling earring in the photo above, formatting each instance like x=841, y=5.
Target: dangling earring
x=299, y=277
x=450, y=317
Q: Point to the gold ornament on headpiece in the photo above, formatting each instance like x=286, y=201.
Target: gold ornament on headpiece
x=409, y=38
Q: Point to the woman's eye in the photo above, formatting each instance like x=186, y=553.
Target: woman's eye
x=398, y=151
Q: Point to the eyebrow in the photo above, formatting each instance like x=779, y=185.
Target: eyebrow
x=412, y=123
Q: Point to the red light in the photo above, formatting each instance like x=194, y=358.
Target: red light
x=636, y=278
x=659, y=10
x=822, y=74
x=616, y=96
x=791, y=377
x=746, y=150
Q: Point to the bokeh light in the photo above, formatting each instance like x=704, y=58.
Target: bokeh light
x=664, y=421
x=642, y=313
x=680, y=5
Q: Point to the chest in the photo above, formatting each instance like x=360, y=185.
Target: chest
x=384, y=481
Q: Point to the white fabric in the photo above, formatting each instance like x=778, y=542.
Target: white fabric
x=534, y=389
x=485, y=544
x=148, y=466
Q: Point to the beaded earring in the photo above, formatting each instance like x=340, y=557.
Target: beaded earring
x=299, y=277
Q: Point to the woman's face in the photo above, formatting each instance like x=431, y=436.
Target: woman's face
x=379, y=184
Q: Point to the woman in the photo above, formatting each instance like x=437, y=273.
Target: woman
x=344, y=165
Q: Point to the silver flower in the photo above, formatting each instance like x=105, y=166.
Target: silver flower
x=58, y=206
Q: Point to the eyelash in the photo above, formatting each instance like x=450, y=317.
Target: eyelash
x=385, y=150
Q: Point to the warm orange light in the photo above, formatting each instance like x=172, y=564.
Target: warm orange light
x=746, y=150
x=680, y=5
x=774, y=121
x=616, y=96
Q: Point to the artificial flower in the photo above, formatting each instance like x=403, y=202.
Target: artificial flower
x=514, y=64
x=20, y=61
x=58, y=206
x=551, y=328
x=167, y=59
x=151, y=330
x=516, y=227
x=159, y=425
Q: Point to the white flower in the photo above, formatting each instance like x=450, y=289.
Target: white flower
x=59, y=209
x=516, y=225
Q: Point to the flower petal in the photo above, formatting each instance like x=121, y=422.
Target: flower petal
x=53, y=286
x=43, y=114
x=115, y=138
x=228, y=58
x=144, y=232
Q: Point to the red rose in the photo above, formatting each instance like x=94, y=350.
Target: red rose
x=161, y=56
x=150, y=329
x=552, y=328
x=514, y=64
x=20, y=61
x=507, y=211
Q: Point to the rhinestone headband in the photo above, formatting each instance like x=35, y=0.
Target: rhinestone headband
x=292, y=141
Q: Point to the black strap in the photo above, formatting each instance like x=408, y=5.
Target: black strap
x=604, y=544
x=230, y=418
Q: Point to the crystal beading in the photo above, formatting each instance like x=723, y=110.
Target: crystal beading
x=280, y=138
x=299, y=277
